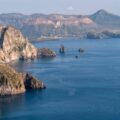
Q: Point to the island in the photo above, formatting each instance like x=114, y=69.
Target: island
x=14, y=46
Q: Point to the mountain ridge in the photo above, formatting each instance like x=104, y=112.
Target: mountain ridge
x=105, y=18
x=37, y=26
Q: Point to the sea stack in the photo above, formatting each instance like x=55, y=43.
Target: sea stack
x=62, y=49
x=81, y=50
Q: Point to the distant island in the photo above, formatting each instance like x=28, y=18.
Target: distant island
x=37, y=27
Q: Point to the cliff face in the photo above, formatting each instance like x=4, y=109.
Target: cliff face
x=37, y=26
x=14, y=46
x=56, y=26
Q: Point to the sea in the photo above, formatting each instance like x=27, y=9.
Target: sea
x=86, y=87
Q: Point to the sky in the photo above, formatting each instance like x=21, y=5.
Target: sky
x=79, y=7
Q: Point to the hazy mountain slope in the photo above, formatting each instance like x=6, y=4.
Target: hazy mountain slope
x=37, y=26
x=106, y=19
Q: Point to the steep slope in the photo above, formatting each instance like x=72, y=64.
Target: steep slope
x=40, y=26
x=54, y=25
x=106, y=19
x=14, y=46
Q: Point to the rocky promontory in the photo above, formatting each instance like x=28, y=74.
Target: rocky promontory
x=12, y=82
x=14, y=46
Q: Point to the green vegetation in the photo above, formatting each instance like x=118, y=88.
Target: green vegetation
x=8, y=77
x=19, y=48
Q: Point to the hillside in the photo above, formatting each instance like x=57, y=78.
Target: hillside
x=40, y=26
x=106, y=19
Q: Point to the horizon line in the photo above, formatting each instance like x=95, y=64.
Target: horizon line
x=57, y=13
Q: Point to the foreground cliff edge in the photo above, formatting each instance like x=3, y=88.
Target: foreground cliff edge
x=13, y=46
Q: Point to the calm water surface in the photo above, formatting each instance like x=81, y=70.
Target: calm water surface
x=87, y=88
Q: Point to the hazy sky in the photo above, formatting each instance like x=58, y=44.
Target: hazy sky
x=59, y=6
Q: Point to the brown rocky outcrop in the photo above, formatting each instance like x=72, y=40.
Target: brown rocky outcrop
x=12, y=82
x=45, y=52
x=14, y=46
x=32, y=82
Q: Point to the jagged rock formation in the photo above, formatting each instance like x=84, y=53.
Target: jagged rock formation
x=12, y=82
x=14, y=46
x=33, y=83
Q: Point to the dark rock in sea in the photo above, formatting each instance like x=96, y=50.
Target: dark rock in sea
x=81, y=50
x=76, y=56
x=62, y=49
x=33, y=83
x=45, y=52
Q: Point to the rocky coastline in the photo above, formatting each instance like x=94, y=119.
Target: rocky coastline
x=14, y=46
x=12, y=82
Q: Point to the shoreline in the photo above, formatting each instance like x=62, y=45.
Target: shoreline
x=67, y=38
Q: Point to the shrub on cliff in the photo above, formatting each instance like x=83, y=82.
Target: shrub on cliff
x=10, y=81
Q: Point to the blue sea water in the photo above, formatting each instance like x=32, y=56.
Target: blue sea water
x=87, y=88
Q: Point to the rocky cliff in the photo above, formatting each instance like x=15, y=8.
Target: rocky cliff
x=12, y=82
x=13, y=46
